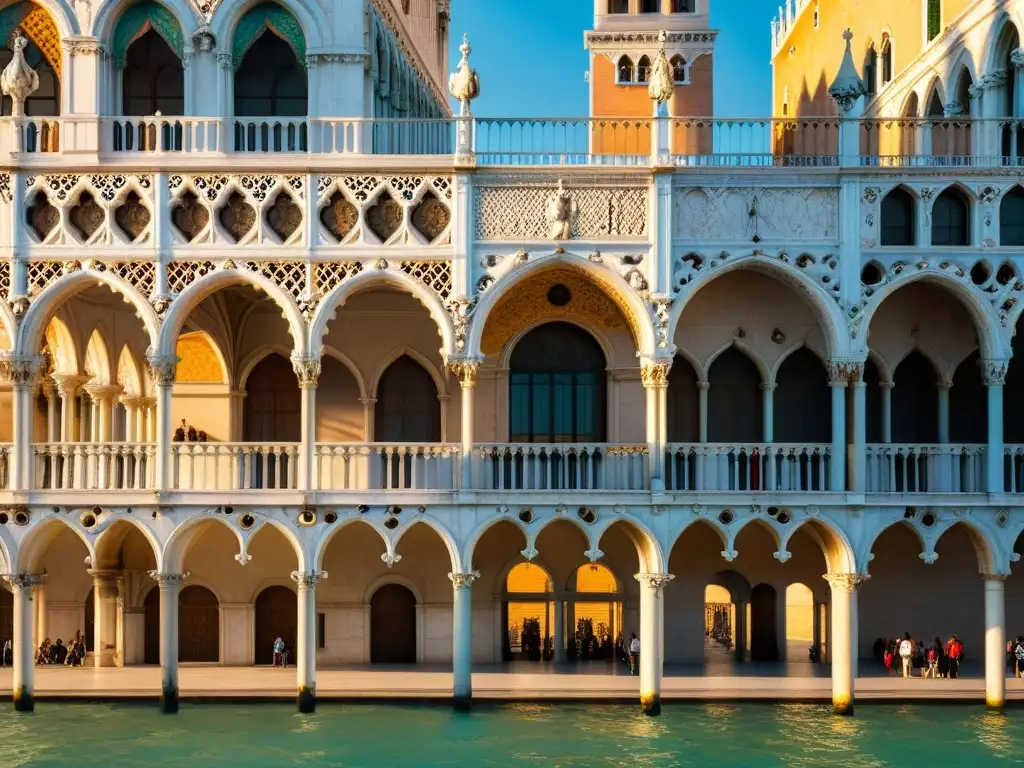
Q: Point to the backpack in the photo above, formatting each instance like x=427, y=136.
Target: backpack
x=1019, y=652
x=906, y=649
x=933, y=655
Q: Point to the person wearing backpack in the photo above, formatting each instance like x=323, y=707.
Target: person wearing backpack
x=955, y=652
x=1018, y=653
x=907, y=651
x=934, y=652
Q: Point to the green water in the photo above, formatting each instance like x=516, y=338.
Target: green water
x=754, y=736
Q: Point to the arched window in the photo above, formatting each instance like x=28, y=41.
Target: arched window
x=273, y=403
x=43, y=54
x=407, y=409
x=951, y=219
x=871, y=70
x=679, y=69
x=1011, y=218
x=153, y=79
x=735, y=401
x=625, y=70
x=683, y=403
x=898, y=218
x=268, y=51
x=934, y=19
x=643, y=70
x=886, y=59
x=557, y=386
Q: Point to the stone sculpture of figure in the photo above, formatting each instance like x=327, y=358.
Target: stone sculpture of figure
x=662, y=80
x=19, y=80
x=464, y=84
x=561, y=211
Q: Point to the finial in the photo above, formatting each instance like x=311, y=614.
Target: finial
x=848, y=36
x=465, y=49
x=663, y=37
x=848, y=87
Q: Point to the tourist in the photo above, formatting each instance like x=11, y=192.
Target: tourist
x=59, y=653
x=907, y=651
x=888, y=657
x=278, y=653
x=1018, y=655
x=954, y=654
x=934, y=652
x=634, y=653
x=7, y=657
x=43, y=654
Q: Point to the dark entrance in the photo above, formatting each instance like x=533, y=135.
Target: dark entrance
x=151, y=652
x=393, y=625
x=764, y=643
x=198, y=625
x=6, y=616
x=277, y=615
x=89, y=632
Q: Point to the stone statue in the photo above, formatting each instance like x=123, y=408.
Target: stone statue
x=662, y=80
x=561, y=211
x=464, y=84
x=19, y=80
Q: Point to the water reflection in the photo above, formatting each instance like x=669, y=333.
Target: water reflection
x=994, y=732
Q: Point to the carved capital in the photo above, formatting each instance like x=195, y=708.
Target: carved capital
x=168, y=579
x=308, y=579
x=845, y=371
x=307, y=370
x=656, y=581
x=163, y=370
x=1017, y=58
x=846, y=582
x=993, y=372
x=994, y=576
x=20, y=370
x=465, y=371
x=20, y=581
x=464, y=580
x=654, y=373
x=82, y=46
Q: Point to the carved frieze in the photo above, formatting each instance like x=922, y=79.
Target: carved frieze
x=756, y=214
x=385, y=210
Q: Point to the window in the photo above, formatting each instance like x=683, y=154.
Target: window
x=270, y=81
x=679, y=69
x=871, y=70
x=643, y=70
x=1011, y=218
x=650, y=6
x=950, y=219
x=618, y=6
x=153, y=78
x=898, y=218
x=933, y=21
x=817, y=15
x=557, y=386
x=625, y=70
x=683, y=6
x=886, y=59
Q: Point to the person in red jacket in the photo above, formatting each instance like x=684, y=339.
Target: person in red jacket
x=954, y=653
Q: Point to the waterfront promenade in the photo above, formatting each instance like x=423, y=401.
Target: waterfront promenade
x=800, y=682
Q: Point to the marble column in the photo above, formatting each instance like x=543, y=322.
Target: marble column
x=858, y=446
x=163, y=371
x=654, y=375
x=558, y=639
x=768, y=413
x=305, y=645
x=466, y=371
x=943, y=415
x=839, y=376
x=886, y=387
x=844, y=638
x=23, y=686
x=993, y=373
x=462, y=639
x=995, y=641
x=170, y=588
x=105, y=609
x=651, y=639
x=22, y=374
x=307, y=371
x=50, y=392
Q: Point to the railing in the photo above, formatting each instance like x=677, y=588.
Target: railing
x=956, y=142
x=392, y=136
x=95, y=466
x=162, y=134
x=811, y=142
x=5, y=465
x=234, y=466
x=381, y=466
x=747, y=467
x=563, y=141
x=270, y=134
x=1013, y=468
x=559, y=466
x=943, y=468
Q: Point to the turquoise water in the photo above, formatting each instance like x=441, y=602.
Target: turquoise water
x=538, y=736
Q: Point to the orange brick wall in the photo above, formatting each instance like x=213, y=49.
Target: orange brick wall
x=611, y=100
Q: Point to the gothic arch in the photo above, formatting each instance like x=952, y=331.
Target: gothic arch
x=311, y=17
x=997, y=45
x=403, y=351
x=111, y=536
x=341, y=357
x=253, y=359
x=440, y=530
x=7, y=564
x=129, y=21
x=829, y=314
x=840, y=556
x=628, y=302
x=286, y=530
x=990, y=339
x=986, y=550
x=183, y=536
x=97, y=356
x=62, y=15
x=764, y=522
x=767, y=375
x=963, y=60
x=129, y=374
x=209, y=284
x=336, y=299
x=709, y=521
x=109, y=15
x=469, y=547
x=39, y=313
x=199, y=339
x=792, y=350
x=865, y=552
x=648, y=549
x=596, y=333
x=33, y=546
x=320, y=548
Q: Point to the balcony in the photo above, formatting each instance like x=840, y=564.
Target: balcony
x=697, y=142
x=756, y=467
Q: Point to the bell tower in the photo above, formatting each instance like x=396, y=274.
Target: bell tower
x=624, y=44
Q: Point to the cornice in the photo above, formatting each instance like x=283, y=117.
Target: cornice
x=649, y=38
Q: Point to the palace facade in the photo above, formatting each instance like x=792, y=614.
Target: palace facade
x=290, y=350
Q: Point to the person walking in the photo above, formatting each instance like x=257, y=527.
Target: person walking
x=907, y=651
x=278, y=653
x=955, y=653
x=634, y=653
x=934, y=651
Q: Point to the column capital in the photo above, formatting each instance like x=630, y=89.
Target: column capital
x=464, y=580
x=368, y=400
x=168, y=579
x=993, y=372
x=131, y=401
x=703, y=386
x=465, y=371
x=163, y=370
x=1017, y=58
x=307, y=371
x=308, y=579
x=19, y=581
x=20, y=370
x=68, y=383
x=769, y=387
x=101, y=393
x=654, y=373
x=842, y=372
x=104, y=574
x=656, y=581
x=1000, y=577
x=846, y=582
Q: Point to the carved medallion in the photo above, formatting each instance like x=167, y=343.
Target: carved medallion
x=42, y=216
x=339, y=216
x=87, y=216
x=431, y=217
x=237, y=216
x=384, y=217
x=189, y=216
x=132, y=217
x=284, y=216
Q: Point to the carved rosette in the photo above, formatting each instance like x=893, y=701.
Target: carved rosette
x=308, y=579
x=465, y=371
x=168, y=579
x=993, y=372
x=655, y=373
x=163, y=370
x=307, y=370
x=845, y=371
x=22, y=581
x=464, y=580
x=846, y=582
x=656, y=581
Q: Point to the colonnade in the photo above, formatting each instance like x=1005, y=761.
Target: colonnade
x=80, y=412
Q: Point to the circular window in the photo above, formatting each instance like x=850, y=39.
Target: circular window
x=559, y=295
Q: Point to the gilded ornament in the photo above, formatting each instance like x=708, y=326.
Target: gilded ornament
x=339, y=216
x=384, y=217
x=87, y=216
x=284, y=217
x=132, y=216
x=190, y=216
x=237, y=216
x=431, y=217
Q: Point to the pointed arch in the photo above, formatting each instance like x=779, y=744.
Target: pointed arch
x=286, y=530
x=989, y=560
x=336, y=299
x=97, y=358
x=469, y=548
x=62, y=347
x=185, y=534
x=301, y=24
x=209, y=284
x=840, y=555
x=1003, y=37
x=40, y=312
x=446, y=538
x=898, y=225
x=865, y=551
x=41, y=534
x=825, y=307
x=40, y=26
x=112, y=535
x=648, y=549
x=624, y=71
x=712, y=524
x=627, y=301
x=201, y=359
x=324, y=544
x=136, y=20
x=129, y=374
x=406, y=351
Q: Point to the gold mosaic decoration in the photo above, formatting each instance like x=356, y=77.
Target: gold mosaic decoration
x=589, y=304
x=197, y=360
x=41, y=29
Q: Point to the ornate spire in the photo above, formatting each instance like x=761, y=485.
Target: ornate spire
x=464, y=84
x=18, y=80
x=662, y=82
x=848, y=85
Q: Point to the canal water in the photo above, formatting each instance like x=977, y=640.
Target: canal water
x=534, y=736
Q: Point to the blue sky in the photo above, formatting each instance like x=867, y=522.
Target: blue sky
x=531, y=61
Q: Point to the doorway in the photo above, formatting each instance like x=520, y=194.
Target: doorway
x=198, y=625
x=764, y=643
x=393, y=625
x=151, y=621
x=277, y=615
